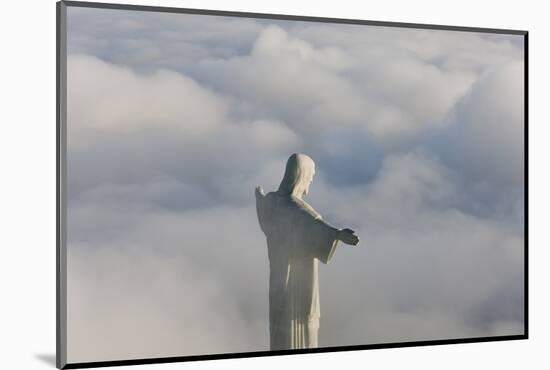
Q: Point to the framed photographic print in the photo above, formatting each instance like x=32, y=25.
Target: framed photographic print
x=239, y=184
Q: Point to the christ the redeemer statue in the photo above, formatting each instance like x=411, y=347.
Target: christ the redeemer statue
x=297, y=238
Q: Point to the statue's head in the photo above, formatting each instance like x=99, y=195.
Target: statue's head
x=298, y=175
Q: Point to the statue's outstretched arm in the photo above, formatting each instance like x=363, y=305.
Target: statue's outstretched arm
x=260, y=195
x=347, y=236
x=344, y=235
x=259, y=192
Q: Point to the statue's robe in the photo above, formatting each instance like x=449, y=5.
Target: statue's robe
x=297, y=238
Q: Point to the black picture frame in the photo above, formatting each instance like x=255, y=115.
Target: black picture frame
x=61, y=186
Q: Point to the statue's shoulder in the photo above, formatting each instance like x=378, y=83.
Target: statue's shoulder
x=303, y=206
x=269, y=200
x=271, y=196
x=286, y=202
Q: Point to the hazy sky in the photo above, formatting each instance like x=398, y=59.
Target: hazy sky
x=173, y=120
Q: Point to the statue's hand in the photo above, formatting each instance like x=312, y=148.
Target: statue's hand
x=259, y=192
x=348, y=236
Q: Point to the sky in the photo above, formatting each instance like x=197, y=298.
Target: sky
x=174, y=119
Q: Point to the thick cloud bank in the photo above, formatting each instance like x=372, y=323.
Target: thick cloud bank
x=174, y=119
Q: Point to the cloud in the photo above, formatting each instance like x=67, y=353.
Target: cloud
x=167, y=285
x=489, y=120
x=118, y=93
x=170, y=131
x=383, y=82
x=161, y=133
x=147, y=41
x=423, y=269
x=484, y=143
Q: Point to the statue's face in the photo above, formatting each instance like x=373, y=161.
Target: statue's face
x=309, y=180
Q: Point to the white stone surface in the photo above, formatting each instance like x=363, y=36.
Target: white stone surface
x=297, y=238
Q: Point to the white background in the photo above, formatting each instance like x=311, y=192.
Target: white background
x=27, y=326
